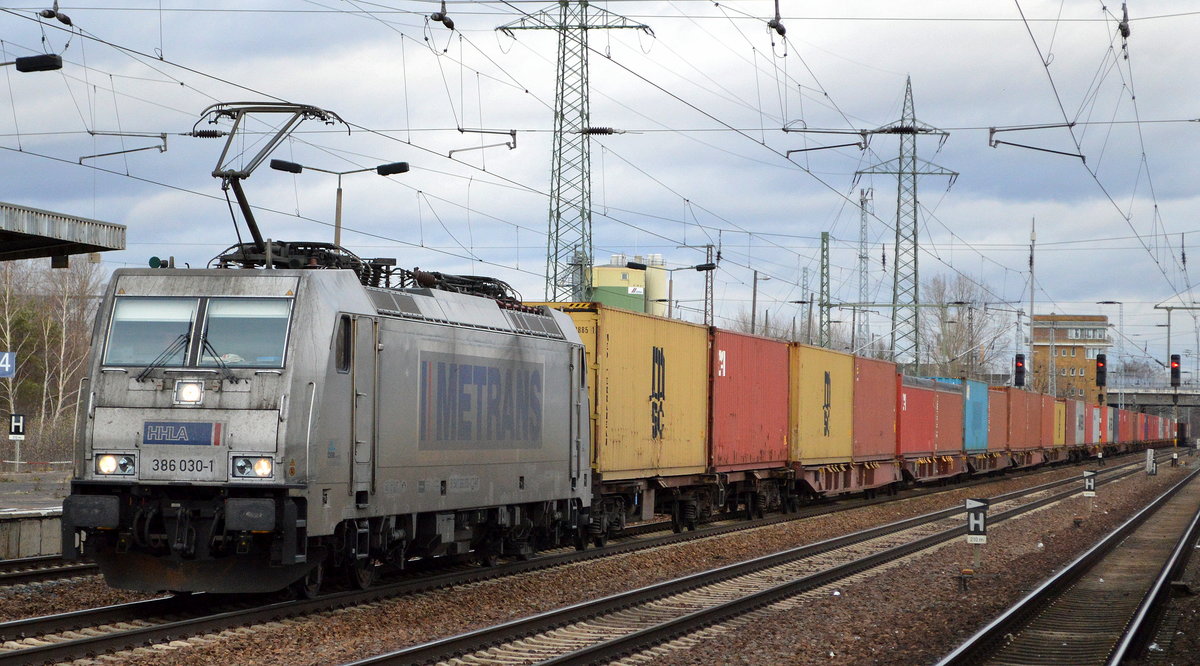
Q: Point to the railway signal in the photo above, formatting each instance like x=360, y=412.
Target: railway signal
x=1101, y=370
x=1175, y=371
x=1089, y=484
x=1019, y=371
x=8, y=364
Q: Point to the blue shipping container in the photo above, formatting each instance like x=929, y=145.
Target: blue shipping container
x=975, y=413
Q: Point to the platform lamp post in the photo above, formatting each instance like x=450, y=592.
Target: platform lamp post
x=701, y=268
x=48, y=62
x=383, y=170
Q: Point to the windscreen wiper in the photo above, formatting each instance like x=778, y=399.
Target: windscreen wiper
x=226, y=373
x=180, y=344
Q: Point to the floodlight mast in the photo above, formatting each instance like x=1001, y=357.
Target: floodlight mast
x=237, y=112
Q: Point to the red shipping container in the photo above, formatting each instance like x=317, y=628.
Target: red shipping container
x=1046, y=433
x=1024, y=420
x=916, y=419
x=749, y=402
x=1124, y=426
x=876, y=388
x=997, y=419
x=949, y=436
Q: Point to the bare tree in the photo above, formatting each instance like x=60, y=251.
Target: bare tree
x=45, y=318
x=961, y=337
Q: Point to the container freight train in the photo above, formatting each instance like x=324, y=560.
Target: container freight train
x=247, y=430
x=689, y=421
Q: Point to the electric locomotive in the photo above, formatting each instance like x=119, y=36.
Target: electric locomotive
x=292, y=413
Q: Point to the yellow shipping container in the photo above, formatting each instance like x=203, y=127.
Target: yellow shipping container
x=648, y=383
x=821, y=402
x=1060, y=423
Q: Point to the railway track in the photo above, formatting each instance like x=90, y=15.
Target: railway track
x=624, y=624
x=102, y=630
x=27, y=570
x=1097, y=610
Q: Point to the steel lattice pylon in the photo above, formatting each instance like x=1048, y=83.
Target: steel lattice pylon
x=569, y=246
x=906, y=328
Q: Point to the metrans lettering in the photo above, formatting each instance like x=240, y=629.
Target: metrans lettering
x=470, y=402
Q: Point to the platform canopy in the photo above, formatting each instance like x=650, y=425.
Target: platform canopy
x=29, y=233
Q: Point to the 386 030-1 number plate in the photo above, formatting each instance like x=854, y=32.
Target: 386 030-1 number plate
x=184, y=465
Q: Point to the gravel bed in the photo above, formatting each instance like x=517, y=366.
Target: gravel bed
x=363, y=631
x=916, y=613
x=61, y=596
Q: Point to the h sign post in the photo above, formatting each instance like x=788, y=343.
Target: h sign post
x=977, y=521
x=976, y=526
x=16, y=434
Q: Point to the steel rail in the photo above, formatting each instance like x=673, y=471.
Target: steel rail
x=1141, y=627
x=461, y=644
x=976, y=648
x=223, y=619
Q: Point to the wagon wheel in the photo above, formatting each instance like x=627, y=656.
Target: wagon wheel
x=601, y=539
x=362, y=573
x=309, y=586
x=488, y=557
x=580, y=538
x=676, y=519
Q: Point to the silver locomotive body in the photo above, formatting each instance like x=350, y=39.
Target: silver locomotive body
x=247, y=429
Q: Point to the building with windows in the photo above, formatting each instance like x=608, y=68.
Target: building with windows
x=1064, y=355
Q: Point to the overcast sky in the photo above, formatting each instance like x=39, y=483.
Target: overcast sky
x=699, y=155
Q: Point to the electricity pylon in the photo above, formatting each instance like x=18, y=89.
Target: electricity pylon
x=569, y=246
x=906, y=326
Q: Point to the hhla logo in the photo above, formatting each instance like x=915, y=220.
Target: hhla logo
x=658, y=392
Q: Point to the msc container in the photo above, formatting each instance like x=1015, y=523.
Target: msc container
x=648, y=383
x=916, y=418
x=949, y=435
x=821, y=397
x=1060, y=422
x=749, y=402
x=876, y=386
x=997, y=436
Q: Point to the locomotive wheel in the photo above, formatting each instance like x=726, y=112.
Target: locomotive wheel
x=310, y=586
x=488, y=558
x=362, y=573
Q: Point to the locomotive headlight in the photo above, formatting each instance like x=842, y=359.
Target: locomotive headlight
x=261, y=468
x=111, y=464
x=189, y=392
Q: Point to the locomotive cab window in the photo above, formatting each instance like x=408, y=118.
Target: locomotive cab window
x=145, y=329
x=245, y=332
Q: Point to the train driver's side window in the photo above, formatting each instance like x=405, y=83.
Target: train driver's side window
x=342, y=344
